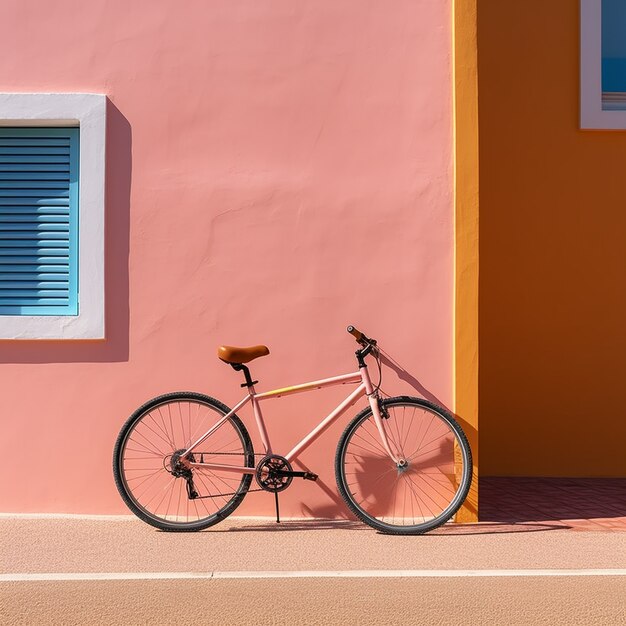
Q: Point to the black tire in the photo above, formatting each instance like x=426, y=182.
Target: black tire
x=368, y=452
x=225, y=504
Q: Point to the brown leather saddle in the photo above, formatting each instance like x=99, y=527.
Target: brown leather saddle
x=238, y=356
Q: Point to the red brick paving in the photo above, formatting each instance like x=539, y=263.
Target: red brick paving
x=577, y=503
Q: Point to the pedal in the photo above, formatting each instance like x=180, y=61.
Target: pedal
x=310, y=476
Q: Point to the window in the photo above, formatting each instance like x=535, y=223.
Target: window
x=52, y=161
x=38, y=221
x=603, y=64
x=613, y=55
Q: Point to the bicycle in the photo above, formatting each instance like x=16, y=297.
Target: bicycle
x=184, y=461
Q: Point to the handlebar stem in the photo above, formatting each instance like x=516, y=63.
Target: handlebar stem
x=361, y=354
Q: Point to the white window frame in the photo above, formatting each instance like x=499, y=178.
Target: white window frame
x=592, y=116
x=88, y=112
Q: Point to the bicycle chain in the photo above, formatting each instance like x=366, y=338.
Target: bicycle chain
x=234, y=493
x=231, y=453
x=221, y=495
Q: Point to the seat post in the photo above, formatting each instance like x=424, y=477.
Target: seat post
x=240, y=367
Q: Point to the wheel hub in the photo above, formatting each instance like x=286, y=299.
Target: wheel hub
x=175, y=466
x=402, y=465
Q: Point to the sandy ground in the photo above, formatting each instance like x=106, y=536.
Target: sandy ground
x=371, y=601
x=127, y=545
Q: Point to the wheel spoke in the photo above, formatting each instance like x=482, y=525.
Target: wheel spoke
x=414, y=497
x=154, y=482
x=170, y=434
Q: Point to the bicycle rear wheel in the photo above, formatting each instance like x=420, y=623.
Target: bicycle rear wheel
x=419, y=496
x=145, y=454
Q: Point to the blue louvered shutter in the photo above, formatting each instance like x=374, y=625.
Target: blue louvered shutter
x=39, y=221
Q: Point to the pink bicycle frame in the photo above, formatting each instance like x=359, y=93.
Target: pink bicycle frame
x=365, y=388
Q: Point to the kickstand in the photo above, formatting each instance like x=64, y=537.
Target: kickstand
x=277, y=514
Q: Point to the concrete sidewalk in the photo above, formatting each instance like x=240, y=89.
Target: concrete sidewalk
x=126, y=545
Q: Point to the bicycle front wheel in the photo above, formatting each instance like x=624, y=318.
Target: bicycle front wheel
x=422, y=494
x=145, y=468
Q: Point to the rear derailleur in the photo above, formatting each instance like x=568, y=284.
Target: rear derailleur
x=178, y=470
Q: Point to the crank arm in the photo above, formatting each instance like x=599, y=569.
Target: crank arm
x=305, y=475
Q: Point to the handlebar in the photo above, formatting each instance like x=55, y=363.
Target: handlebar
x=360, y=337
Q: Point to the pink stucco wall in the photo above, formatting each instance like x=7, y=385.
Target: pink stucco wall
x=276, y=170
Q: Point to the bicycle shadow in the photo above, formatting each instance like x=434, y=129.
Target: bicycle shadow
x=388, y=361
x=326, y=518
x=470, y=506
x=494, y=528
x=447, y=530
x=338, y=507
x=287, y=525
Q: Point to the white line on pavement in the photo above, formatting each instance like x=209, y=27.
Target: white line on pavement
x=426, y=573
x=133, y=518
x=68, y=516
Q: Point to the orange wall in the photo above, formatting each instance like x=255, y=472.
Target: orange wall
x=553, y=254
x=466, y=235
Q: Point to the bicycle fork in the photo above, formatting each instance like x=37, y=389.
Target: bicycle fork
x=380, y=413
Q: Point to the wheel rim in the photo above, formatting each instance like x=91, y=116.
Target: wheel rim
x=145, y=462
x=420, y=493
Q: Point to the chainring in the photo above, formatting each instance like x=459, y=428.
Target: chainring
x=267, y=473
